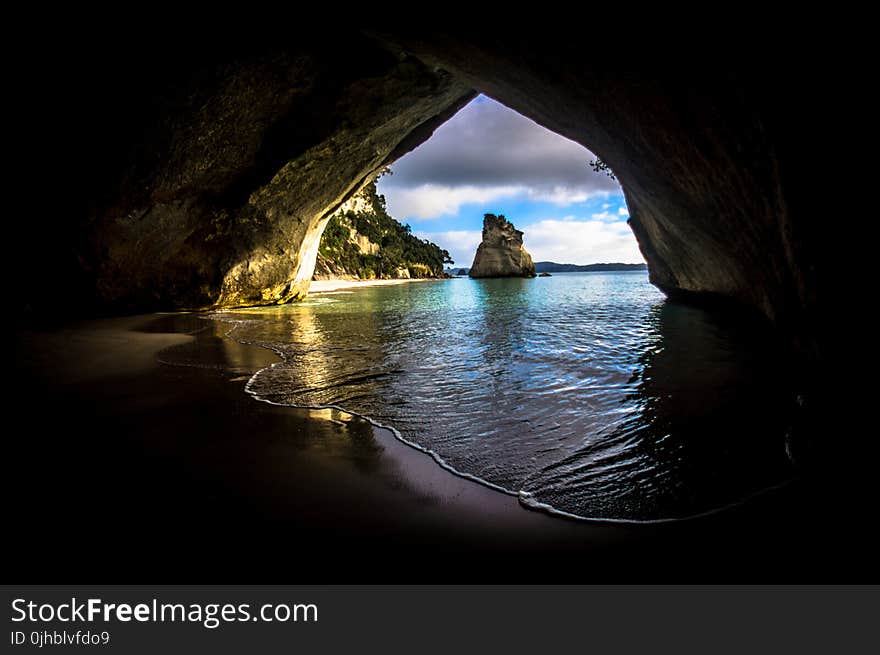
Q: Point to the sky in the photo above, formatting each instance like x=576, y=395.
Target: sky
x=489, y=159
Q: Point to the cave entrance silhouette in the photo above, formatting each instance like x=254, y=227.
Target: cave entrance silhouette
x=490, y=159
x=250, y=149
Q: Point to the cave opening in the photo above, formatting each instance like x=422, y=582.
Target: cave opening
x=589, y=395
x=490, y=159
x=213, y=177
x=487, y=159
x=222, y=205
x=233, y=207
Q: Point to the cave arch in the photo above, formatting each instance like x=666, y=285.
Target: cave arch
x=246, y=154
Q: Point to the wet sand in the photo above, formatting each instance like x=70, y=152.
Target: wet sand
x=143, y=459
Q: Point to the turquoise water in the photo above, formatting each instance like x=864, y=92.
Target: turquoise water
x=584, y=393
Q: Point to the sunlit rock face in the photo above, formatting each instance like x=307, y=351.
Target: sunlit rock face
x=501, y=252
x=224, y=202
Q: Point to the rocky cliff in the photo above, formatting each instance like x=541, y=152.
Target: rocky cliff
x=501, y=253
x=362, y=241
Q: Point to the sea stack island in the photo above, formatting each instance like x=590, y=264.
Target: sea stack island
x=501, y=253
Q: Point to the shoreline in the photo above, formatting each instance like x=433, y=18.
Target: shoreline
x=329, y=286
x=192, y=458
x=185, y=473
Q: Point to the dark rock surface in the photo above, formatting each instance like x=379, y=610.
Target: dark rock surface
x=501, y=252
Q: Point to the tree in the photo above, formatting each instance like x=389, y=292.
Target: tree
x=399, y=247
x=600, y=166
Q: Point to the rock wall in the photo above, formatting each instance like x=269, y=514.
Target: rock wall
x=220, y=195
x=501, y=252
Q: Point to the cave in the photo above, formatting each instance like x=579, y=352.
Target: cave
x=214, y=171
x=206, y=170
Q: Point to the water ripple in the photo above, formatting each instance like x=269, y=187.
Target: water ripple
x=587, y=394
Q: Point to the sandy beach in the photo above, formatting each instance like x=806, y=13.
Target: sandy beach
x=329, y=286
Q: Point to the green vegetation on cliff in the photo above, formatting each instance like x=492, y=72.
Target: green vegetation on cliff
x=366, y=242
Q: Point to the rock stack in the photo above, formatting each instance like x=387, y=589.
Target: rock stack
x=501, y=254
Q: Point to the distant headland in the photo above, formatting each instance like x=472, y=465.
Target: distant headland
x=553, y=267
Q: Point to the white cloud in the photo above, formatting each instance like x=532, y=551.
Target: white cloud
x=429, y=201
x=623, y=211
x=489, y=148
x=581, y=242
x=461, y=244
x=561, y=196
x=606, y=216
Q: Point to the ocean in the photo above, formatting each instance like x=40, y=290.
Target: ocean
x=587, y=395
